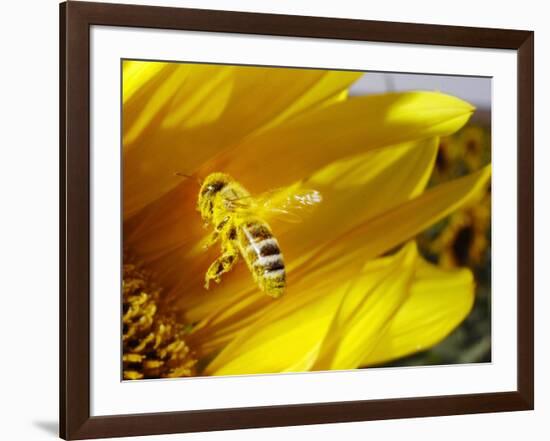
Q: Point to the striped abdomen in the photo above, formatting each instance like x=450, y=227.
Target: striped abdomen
x=261, y=252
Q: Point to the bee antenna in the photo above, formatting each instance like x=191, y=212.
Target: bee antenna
x=183, y=175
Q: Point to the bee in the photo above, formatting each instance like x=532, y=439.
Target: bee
x=239, y=222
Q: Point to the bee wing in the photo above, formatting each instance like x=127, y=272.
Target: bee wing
x=286, y=204
x=245, y=205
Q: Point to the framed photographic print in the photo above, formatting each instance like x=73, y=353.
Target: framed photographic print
x=277, y=220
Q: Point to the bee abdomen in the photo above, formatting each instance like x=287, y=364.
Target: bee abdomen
x=263, y=255
x=270, y=263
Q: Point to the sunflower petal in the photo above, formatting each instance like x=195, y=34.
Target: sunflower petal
x=359, y=188
x=290, y=151
x=137, y=76
x=340, y=321
x=184, y=114
x=438, y=302
x=331, y=88
x=367, y=310
x=291, y=342
x=395, y=226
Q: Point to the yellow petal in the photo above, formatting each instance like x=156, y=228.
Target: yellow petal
x=332, y=325
x=367, y=310
x=289, y=343
x=137, y=76
x=359, y=188
x=184, y=114
x=330, y=89
x=219, y=325
x=439, y=301
x=166, y=225
x=290, y=151
x=396, y=305
x=395, y=226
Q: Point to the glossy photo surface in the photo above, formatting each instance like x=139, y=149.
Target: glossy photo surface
x=290, y=220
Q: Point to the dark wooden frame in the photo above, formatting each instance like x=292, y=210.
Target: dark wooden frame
x=75, y=21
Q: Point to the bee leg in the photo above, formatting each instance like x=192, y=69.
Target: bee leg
x=221, y=265
x=215, y=235
x=211, y=239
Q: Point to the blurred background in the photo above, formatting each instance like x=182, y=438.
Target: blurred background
x=464, y=238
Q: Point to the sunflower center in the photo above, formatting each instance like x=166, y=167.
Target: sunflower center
x=154, y=344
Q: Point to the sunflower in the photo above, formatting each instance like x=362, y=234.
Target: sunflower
x=358, y=292
x=464, y=240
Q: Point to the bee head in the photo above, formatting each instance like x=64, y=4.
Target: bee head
x=210, y=188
